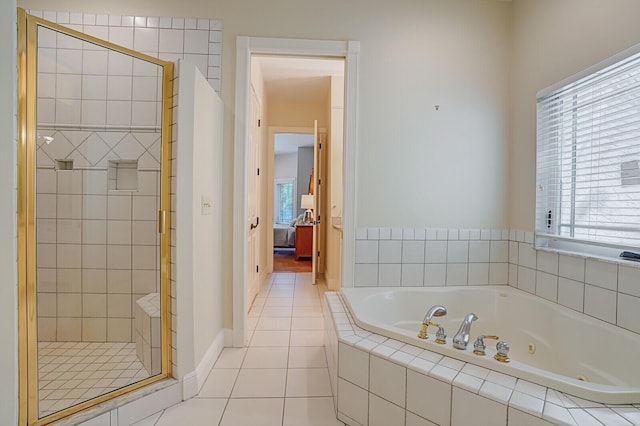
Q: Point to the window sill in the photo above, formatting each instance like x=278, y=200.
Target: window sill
x=583, y=255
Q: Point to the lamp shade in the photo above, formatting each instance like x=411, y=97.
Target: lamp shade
x=308, y=201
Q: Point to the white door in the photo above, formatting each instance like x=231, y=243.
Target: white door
x=316, y=198
x=253, y=202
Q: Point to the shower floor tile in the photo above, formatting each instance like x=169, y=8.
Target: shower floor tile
x=73, y=372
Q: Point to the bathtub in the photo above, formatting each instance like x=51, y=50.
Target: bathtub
x=550, y=345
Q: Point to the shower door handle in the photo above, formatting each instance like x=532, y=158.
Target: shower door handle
x=162, y=221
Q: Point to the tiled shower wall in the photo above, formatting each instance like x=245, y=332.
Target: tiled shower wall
x=110, y=102
x=97, y=249
x=606, y=289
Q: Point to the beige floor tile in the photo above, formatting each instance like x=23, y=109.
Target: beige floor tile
x=276, y=312
x=307, y=323
x=260, y=383
x=307, y=357
x=310, y=412
x=258, y=357
x=274, y=323
x=194, y=412
x=219, y=383
x=307, y=337
x=230, y=358
x=308, y=382
x=253, y=412
x=270, y=338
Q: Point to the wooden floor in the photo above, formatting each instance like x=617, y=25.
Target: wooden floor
x=284, y=261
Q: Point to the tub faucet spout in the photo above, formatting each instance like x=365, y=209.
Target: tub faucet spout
x=434, y=311
x=461, y=339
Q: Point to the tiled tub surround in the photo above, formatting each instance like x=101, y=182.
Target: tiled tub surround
x=382, y=381
x=547, y=341
x=606, y=289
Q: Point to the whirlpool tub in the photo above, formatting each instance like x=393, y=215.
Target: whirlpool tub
x=549, y=344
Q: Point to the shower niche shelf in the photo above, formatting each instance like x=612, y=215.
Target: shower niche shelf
x=123, y=175
x=66, y=164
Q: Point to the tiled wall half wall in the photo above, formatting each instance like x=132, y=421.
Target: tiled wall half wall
x=606, y=289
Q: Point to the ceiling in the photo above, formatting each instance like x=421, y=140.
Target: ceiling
x=298, y=79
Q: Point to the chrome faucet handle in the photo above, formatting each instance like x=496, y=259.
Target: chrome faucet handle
x=503, y=352
x=479, y=346
x=422, y=334
x=441, y=335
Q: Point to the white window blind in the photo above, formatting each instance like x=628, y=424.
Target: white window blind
x=588, y=158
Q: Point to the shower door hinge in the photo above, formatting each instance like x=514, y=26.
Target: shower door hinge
x=258, y=171
x=162, y=221
x=257, y=269
x=258, y=122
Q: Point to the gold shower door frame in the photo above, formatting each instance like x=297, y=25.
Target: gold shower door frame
x=27, y=309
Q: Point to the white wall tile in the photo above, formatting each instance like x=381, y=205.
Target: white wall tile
x=412, y=274
x=385, y=233
x=513, y=275
x=143, y=114
x=196, y=41
x=119, y=281
x=547, y=286
x=415, y=420
x=527, y=255
x=94, y=62
x=458, y=251
x=390, y=251
x=94, y=305
x=46, y=230
x=478, y=274
x=437, y=406
x=479, y=251
x=118, y=257
x=68, y=111
x=146, y=40
x=389, y=275
x=366, y=274
x=94, y=280
x=412, y=252
x=119, y=232
x=435, y=274
x=69, y=61
x=600, y=303
x=119, y=207
x=68, y=86
x=121, y=36
x=629, y=280
x=94, y=87
x=384, y=413
x=499, y=251
x=144, y=257
x=518, y=418
x=118, y=113
x=69, y=329
x=456, y=274
x=513, y=252
x=171, y=40
x=571, y=293
x=68, y=255
x=435, y=252
x=353, y=401
x=388, y=380
x=119, y=306
x=408, y=234
x=94, y=329
x=548, y=262
x=498, y=273
x=69, y=231
x=69, y=305
x=119, y=63
x=602, y=274
x=470, y=409
x=145, y=208
x=46, y=109
x=94, y=256
x=527, y=279
x=366, y=250
x=396, y=233
x=353, y=365
x=629, y=312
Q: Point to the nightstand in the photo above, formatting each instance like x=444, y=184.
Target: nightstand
x=304, y=241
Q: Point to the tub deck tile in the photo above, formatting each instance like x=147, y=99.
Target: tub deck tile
x=468, y=382
x=430, y=356
x=383, y=351
x=495, y=392
x=412, y=350
x=608, y=416
x=452, y=363
x=502, y=379
x=350, y=339
x=632, y=414
x=531, y=389
x=401, y=358
x=421, y=366
x=557, y=415
x=583, y=418
x=443, y=373
x=366, y=344
x=475, y=371
x=584, y=403
x=527, y=403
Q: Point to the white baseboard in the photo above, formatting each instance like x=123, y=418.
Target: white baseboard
x=193, y=381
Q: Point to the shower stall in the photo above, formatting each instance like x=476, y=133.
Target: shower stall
x=94, y=191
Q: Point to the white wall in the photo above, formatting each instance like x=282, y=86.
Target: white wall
x=9, y=286
x=198, y=254
x=553, y=40
x=285, y=166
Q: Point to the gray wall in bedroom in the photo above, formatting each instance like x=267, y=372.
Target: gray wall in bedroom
x=305, y=165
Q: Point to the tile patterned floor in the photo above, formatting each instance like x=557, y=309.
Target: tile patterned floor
x=73, y=372
x=280, y=379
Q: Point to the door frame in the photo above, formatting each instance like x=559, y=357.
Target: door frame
x=245, y=48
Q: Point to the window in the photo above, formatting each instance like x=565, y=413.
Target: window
x=588, y=157
x=284, y=200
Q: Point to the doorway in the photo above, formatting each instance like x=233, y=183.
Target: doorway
x=248, y=49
